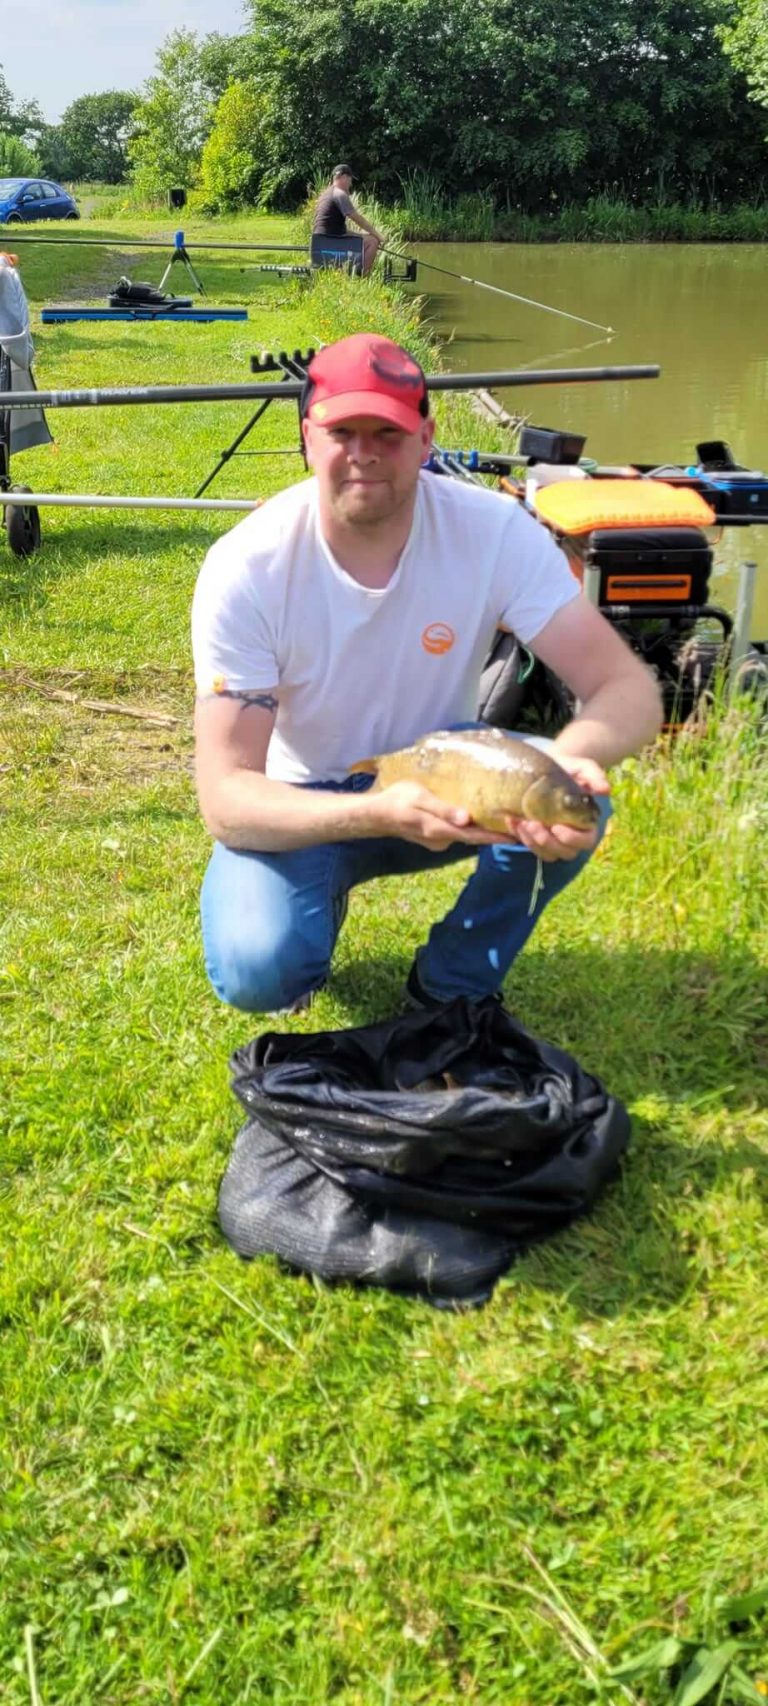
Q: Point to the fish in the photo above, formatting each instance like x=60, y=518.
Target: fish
x=489, y=773
x=441, y=1081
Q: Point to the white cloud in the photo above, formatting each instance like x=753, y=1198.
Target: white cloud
x=54, y=52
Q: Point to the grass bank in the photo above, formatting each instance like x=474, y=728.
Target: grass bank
x=598, y=220
x=424, y=212
x=226, y=1484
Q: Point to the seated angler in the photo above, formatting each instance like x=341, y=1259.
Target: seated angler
x=334, y=206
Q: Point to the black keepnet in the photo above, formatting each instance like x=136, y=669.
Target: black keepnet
x=348, y=1170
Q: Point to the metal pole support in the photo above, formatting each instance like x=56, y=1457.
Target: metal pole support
x=180, y=254
x=742, y=623
x=591, y=585
x=93, y=500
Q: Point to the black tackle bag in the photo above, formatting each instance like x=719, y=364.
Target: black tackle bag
x=422, y=1154
x=128, y=294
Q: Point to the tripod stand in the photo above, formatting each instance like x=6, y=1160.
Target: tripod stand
x=291, y=367
x=180, y=254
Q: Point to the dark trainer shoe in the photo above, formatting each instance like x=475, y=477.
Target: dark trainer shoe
x=301, y=1004
x=417, y=999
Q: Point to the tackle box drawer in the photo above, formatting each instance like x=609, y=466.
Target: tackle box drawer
x=649, y=565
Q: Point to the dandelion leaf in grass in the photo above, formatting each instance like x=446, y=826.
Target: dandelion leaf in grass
x=745, y=1605
x=661, y=1656
x=703, y=1673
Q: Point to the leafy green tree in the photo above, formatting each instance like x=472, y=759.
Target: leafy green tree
x=17, y=159
x=23, y=119
x=745, y=39
x=232, y=160
x=52, y=153
x=172, y=118
x=533, y=105
x=92, y=138
x=225, y=60
x=6, y=105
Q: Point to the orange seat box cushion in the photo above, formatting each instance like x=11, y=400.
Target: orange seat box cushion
x=579, y=506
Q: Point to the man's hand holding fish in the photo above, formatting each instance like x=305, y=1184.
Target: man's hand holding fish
x=561, y=840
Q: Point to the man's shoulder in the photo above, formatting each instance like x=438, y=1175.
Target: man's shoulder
x=457, y=498
x=262, y=532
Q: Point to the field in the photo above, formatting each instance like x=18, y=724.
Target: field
x=225, y=1484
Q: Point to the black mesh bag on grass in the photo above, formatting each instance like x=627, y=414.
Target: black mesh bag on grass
x=422, y=1154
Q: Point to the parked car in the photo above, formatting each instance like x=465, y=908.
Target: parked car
x=23, y=199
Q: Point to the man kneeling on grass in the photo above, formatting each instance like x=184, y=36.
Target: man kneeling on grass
x=314, y=627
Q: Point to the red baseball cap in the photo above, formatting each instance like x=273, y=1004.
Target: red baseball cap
x=366, y=375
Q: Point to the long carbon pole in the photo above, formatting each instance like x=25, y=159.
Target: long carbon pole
x=130, y=243
x=497, y=290
x=292, y=388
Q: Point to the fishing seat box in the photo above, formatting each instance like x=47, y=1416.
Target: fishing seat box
x=340, y=252
x=645, y=565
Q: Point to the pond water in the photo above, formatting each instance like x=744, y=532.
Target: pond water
x=696, y=310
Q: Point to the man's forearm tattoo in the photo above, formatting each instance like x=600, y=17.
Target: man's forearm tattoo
x=266, y=701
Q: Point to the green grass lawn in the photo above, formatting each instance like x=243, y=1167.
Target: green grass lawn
x=225, y=1484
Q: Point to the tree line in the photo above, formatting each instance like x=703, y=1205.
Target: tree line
x=647, y=99
x=91, y=141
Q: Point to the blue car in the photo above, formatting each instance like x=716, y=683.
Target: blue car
x=24, y=199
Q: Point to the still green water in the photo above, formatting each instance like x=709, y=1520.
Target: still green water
x=697, y=310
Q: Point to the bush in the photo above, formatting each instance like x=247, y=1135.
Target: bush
x=230, y=169
x=17, y=160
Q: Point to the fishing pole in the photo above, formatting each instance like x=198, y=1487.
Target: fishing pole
x=496, y=288
x=128, y=244
x=292, y=388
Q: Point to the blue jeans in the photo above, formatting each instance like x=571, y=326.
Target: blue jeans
x=270, y=920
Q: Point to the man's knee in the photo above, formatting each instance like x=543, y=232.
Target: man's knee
x=263, y=970
x=371, y=246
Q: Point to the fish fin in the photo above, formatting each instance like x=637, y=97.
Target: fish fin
x=364, y=766
x=535, y=801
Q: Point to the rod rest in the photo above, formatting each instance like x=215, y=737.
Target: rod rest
x=268, y=363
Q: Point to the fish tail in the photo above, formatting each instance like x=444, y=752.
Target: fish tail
x=364, y=766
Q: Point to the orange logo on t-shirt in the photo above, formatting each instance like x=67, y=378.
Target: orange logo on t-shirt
x=438, y=637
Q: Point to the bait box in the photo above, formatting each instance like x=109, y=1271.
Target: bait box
x=544, y=444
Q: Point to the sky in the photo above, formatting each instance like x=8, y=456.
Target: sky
x=52, y=51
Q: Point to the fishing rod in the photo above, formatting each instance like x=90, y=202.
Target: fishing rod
x=292, y=388
x=496, y=288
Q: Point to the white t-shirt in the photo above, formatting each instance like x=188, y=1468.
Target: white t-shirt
x=358, y=671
